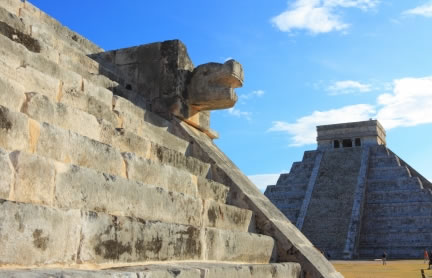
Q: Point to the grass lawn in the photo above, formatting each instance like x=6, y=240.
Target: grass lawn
x=375, y=269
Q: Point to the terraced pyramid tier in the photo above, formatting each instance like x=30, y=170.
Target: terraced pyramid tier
x=102, y=177
x=362, y=200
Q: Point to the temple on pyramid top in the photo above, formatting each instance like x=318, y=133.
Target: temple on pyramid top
x=347, y=135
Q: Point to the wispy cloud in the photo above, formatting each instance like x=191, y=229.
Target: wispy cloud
x=240, y=114
x=423, y=10
x=303, y=131
x=236, y=112
x=409, y=104
x=318, y=16
x=257, y=93
x=262, y=180
x=348, y=87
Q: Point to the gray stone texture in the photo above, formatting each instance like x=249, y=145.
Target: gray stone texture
x=366, y=200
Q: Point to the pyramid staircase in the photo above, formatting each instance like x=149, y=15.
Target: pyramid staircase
x=93, y=184
x=398, y=208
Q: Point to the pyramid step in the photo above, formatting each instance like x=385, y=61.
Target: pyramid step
x=286, y=196
x=30, y=178
x=170, y=270
x=380, y=151
x=384, y=161
x=81, y=94
x=387, y=173
x=59, y=144
x=62, y=53
x=32, y=16
x=416, y=195
x=69, y=237
x=399, y=209
x=382, y=223
x=24, y=134
x=407, y=183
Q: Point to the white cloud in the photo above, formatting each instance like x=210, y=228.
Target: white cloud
x=303, y=131
x=423, y=10
x=240, y=114
x=261, y=181
x=410, y=103
x=318, y=16
x=348, y=87
x=257, y=93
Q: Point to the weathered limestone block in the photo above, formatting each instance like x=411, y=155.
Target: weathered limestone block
x=124, y=239
x=11, y=93
x=33, y=235
x=147, y=125
x=34, y=178
x=124, y=272
x=87, y=189
x=7, y=175
x=209, y=189
x=222, y=245
x=69, y=147
x=35, y=81
x=281, y=270
x=226, y=217
x=165, y=176
x=212, y=85
x=90, y=98
x=40, y=108
x=179, y=160
x=14, y=130
x=171, y=270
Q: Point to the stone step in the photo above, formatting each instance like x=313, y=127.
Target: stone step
x=386, y=173
x=393, y=252
x=399, y=209
x=396, y=222
x=379, y=151
x=391, y=196
x=24, y=134
x=291, y=196
x=71, y=237
x=400, y=237
x=170, y=270
x=286, y=188
x=408, y=183
x=39, y=108
x=294, y=204
x=377, y=229
x=32, y=16
x=384, y=161
x=72, y=90
x=68, y=56
x=33, y=179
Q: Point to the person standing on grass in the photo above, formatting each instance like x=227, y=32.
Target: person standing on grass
x=426, y=256
x=384, y=258
x=430, y=259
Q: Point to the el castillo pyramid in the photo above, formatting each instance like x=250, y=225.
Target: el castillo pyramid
x=108, y=166
x=354, y=198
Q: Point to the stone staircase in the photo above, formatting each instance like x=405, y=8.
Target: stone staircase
x=93, y=184
x=332, y=200
x=397, y=209
x=292, y=186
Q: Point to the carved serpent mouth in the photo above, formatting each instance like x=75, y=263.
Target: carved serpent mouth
x=232, y=80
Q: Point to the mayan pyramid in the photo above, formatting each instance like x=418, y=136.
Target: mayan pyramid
x=108, y=166
x=354, y=198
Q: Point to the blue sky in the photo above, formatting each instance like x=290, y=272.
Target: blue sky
x=306, y=63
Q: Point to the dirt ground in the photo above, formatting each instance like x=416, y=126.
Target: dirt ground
x=375, y=269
